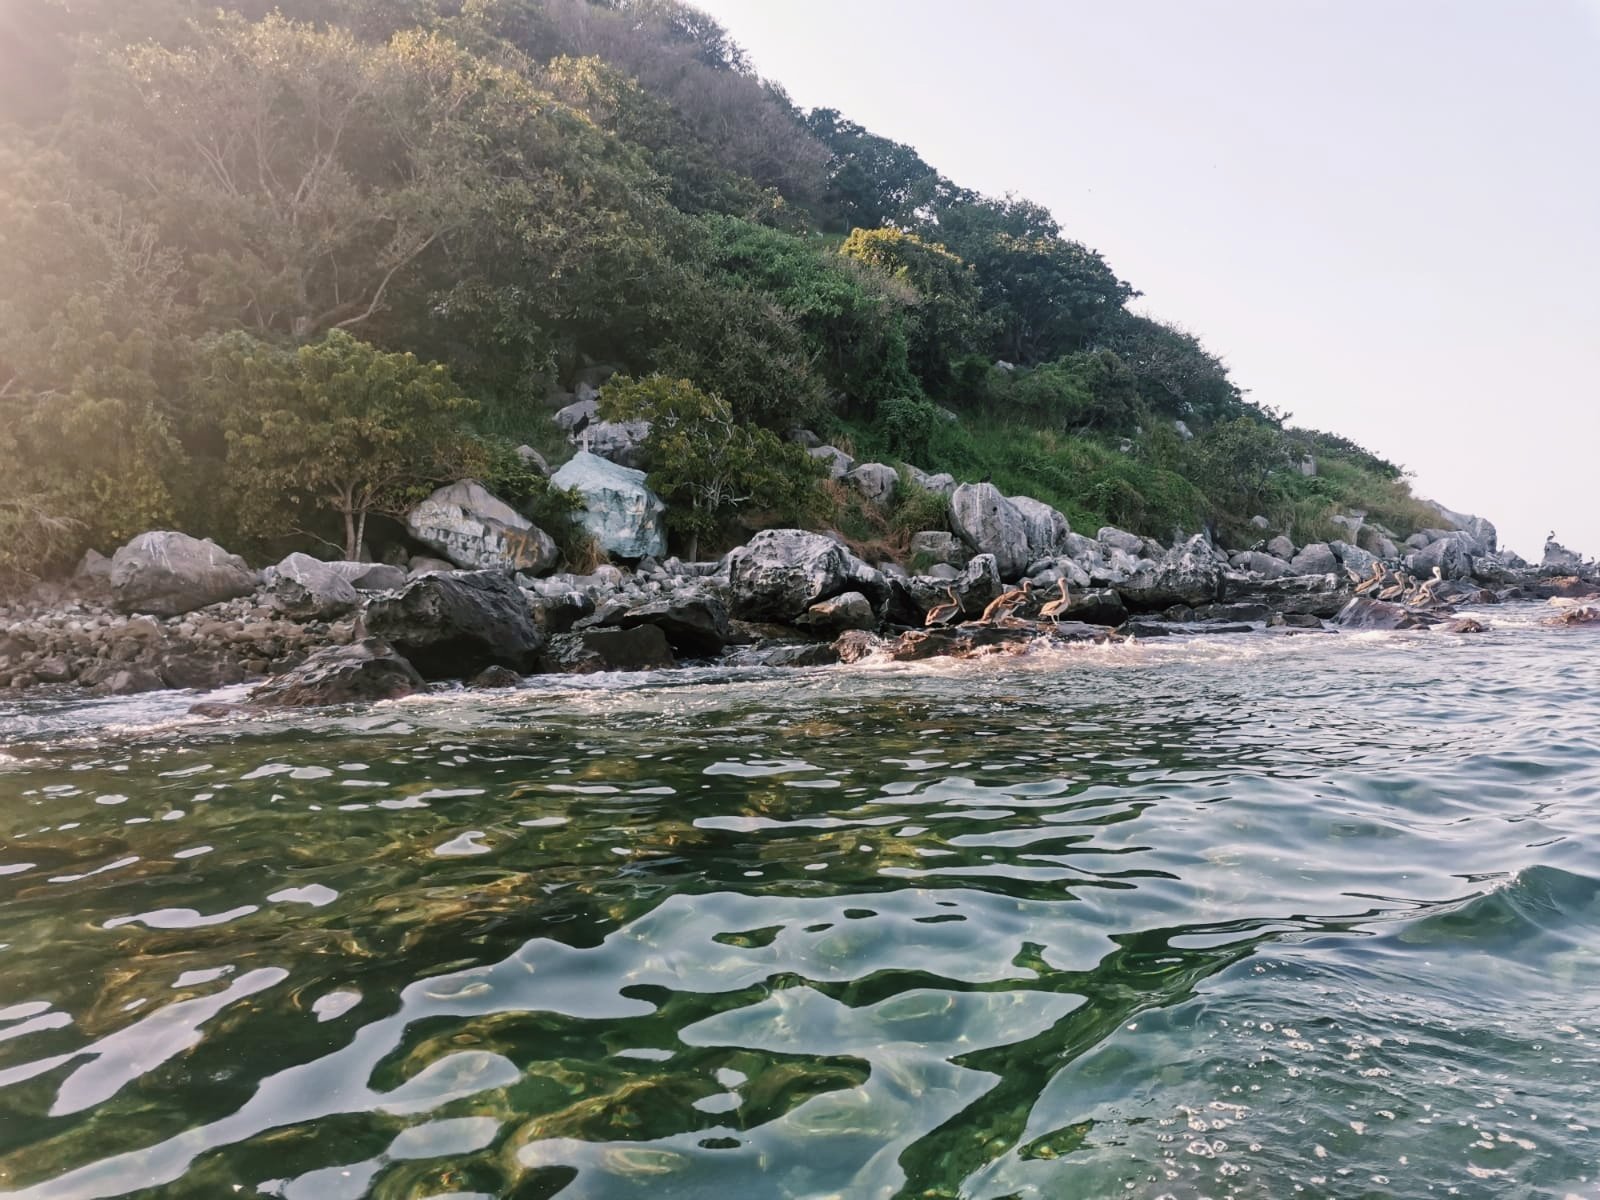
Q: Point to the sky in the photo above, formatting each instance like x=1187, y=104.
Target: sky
x=1384, y=216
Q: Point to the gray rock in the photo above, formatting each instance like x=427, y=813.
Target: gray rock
x=1351, y=523
x=307, y=587
x=1558, y=558
x=1096, y=606
x=532, y=459
x=941, y=484
x=619, y=511
x=358, y=673
x=168, y=573
x=831, y=617
x=1047, y=529
x=990, y=524
x=1377, y=541
x=781, y=573
x=424, y=564
x=696, y=625
x=1260, y=522
x=1120, y=539
x=1266, y=565
x=575, y=416
x=1084, y=549
x=1363, y=612
x=373, y=577
x=616, y=441
x=837, y=461
x=1353, y=558
x=93, y=566
x=1189, y=574
x=1281, y=547
x=1419, y=540
x=452, y=626
x=642, y=648
x=475, y=530
x=1481, y=528
x=804, y=438
x=1183, y=430
x=495, y=678
x=937, y=546
x=876, y=482
x=1317, y=595
x=1317, y=558
x=974, y=586
x=1452, y=554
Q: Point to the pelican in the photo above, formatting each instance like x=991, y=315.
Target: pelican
x=1363, y=586
x=1006, y=603
x=1053, y=610
x=1425, y=592
x=942, y=614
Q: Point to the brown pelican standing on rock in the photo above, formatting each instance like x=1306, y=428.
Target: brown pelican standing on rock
x=1424, y=594
x=1005, y=604
x=1372, y=582
x=1054, y=610
x=943, y=614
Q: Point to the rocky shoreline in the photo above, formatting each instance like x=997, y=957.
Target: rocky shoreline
x=171, y=611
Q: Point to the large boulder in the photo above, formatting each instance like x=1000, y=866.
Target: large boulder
x=167, y=573
x=578, y=414
x=616, y=441
x=974, y=587
x=1297, y=595
x=360, y=672
x=642, y=648
x=1481, y=529
x=1281, y=547
x=831, y=617
x=876, y=482
x=1363, y=612
x=695, y=624
x=307, y=587
x=452, y=626
x=990, y=524
x=1451, y=554
x=1317, y=558
x=1353, y=558
x=1558, y=558
x=1046, y=528
x=476, y=530
x=1190, y=573
x=781, y=573
x=622, y=515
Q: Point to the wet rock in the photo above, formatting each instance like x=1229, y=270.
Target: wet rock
x=168, y=573
x=990, y=524
x=199, y=669
x=1365, y=613
x=1096, y=606
x=476, y=530
x=128, y=681
x=307, y=587
x=1317, y=595
x=967, y=641
x=1584, y=614
x=695, y=625
x=495, y=677
x=452, y=626
x=811, y=654
x=642, y=648
x=1299, y=621
x=1234, y=612
x=1463, y=625
x=876, y=482
x=622, y=515
x=358, y=673
x=849, y=610
x=781, y=573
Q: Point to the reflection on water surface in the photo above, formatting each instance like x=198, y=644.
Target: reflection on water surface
x=1260, y=917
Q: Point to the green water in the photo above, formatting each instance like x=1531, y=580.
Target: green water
x=1263, y=916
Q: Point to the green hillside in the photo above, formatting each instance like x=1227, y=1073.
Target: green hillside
x=270, y=270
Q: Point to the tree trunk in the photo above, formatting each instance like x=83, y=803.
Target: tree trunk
x=361, y=537
x=694, y=546
x=350, y=536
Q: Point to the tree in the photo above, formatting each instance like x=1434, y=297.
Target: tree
x=945, y=320
x=337, y=424
x=706, y=465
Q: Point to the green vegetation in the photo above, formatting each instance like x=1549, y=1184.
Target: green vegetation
x=272, y=268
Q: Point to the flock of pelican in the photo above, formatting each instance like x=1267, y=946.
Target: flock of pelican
x=1399, y=585
x=1003, y=607
x=1384, y=583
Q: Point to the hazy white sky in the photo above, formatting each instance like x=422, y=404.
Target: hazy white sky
x=1385, y=214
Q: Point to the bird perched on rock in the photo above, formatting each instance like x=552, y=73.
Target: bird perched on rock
x=943, y=614
x=1054, y=610
x=1006, y=603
